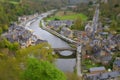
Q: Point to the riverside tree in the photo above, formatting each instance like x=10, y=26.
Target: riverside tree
x=78, y=24
x=42, y=70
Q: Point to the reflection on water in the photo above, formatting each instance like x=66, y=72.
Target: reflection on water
x=64, y=64
x=66, y=53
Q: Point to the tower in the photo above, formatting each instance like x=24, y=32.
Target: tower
x=95, y=20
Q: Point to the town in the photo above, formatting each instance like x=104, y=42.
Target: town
x=94, y=46
x=98, y=46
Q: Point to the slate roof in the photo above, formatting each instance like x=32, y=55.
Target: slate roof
x=102, y=76
x=97, y=69
x=60, y=23
x=117, y=62
x=116, y=38
x=40, y=41
x=21, y=35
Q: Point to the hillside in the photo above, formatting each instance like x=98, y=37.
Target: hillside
x=110, y=14
x=11, y=9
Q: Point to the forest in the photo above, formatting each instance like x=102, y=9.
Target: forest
x=11, y=9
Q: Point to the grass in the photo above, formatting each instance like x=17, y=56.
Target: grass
x=12, y=2
x=89, y=64
x=68, y=15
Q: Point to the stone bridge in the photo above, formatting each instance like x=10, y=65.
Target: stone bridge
x=76, y=54
x=59, y=50
x=64, y=49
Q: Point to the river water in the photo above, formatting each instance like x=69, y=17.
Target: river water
x=66, y=65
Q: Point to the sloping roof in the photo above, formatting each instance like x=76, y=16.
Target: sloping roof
x=102, y=76
x=117, y=62
x=61, y=22
x=97, y=69
x=40, y=41
x=107, y=58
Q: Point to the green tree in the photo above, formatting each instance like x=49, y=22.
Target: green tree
x=1, y=30
x=41, y=51
x=13, y=65
x=42, y=70
x=78, y=24
x=5, y=28
x=10, y=67
x=11, y=46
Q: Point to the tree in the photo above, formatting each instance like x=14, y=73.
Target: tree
x=114, y=26
x=9, y=68
x=12, y=66
x=5, y=28
x=42, y=70
x=41, y=51
x=15, y=46
x=78, y=25
x=1, y=30
x=90, y=3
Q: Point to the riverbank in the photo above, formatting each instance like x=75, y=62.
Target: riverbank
x=56, y=34
x=66, y=65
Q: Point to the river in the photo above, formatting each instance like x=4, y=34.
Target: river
x=66, y=65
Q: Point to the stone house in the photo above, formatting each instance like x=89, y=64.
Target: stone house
x=116, y=64
x=103, y=76
x=66, y=32
x=102, y=56
x=115, y=41
x=88, y=27
x=81, y=36
x=21, y=19
x=57, y=24
x=21, y=35
x=95, y=70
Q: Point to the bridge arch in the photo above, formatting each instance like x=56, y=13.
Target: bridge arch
x=59, y=51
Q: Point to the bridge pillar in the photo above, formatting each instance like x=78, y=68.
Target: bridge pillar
x=78, y=61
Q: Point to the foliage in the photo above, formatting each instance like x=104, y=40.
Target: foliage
x=10, y=68
x=10, y=10
x=1, y=30
x=4, y=43
x=111, y=11
x=68, y=16
x=42, y=70
x=78, y=24
x=41, y=51
x=14, y=60
x=86, y=8
x=88, y=63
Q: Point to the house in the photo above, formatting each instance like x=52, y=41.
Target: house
x=21, y=19
x=40, y=41
x=57, y=24
x=101, y=56
x=103, y=76
x=21, y=35
x=115, y=41
x=116, y=64
x=81, y=36
x=95, y=70
x=66, y=32
x=72, y=7
x=88, y=27
x=96, y=42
